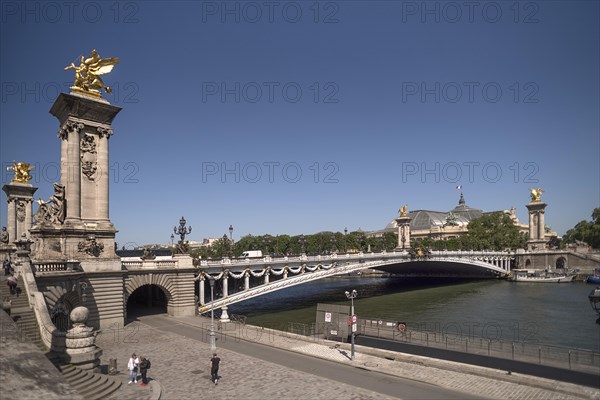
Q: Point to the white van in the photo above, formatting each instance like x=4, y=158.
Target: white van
x=251, y=254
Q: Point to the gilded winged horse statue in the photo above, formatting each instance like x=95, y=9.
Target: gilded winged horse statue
x=87, y=74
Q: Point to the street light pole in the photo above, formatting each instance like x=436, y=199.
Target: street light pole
x=213, y=344
x=345, y=246
x=352, y=296
x=232, y=246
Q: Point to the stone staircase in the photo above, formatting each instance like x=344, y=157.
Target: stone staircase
x=87, y=383
x=22, y=314
x=90, y=385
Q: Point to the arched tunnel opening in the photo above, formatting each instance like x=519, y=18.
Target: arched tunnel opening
x=146, y=300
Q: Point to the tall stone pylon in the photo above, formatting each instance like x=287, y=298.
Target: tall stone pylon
x=75, y=222
x=19, y=195
x=403, y=223
x=73, y=227
x=537, y=227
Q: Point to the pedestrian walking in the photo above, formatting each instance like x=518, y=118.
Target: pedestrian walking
x=144, y=367
x=214, y=368
x=11, y=282
x=132, y=366
x=7, y=267
x=7, y=304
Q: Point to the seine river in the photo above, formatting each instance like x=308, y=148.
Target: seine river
x=552, y=314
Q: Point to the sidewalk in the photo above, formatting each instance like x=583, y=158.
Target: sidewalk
x=478, y=381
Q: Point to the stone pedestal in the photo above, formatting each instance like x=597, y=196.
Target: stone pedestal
x=537, y=239
x=19, y=198
x=403, y=232
x=80, y=342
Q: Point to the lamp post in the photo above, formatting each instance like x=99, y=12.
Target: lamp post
x=182, y=231
x=225, y=241
x=172, y=237
x=213, y=344
x=352, y=296
x=345, y=233
x=232, y=246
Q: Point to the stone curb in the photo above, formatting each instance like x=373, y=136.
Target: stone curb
x=156, y=389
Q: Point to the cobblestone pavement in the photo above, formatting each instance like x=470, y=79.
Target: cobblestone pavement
x=181, y=365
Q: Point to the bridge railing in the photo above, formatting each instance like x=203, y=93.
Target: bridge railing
x=531, y=352
x=349, y=256
x=48, y=267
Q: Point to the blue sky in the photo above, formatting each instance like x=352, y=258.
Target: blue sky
x=297, y=117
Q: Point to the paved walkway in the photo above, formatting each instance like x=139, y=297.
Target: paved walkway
x=181, y=365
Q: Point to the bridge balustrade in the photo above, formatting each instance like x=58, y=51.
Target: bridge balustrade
x=50, y=267
x=149, y=264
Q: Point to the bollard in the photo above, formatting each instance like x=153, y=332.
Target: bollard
x=112, y=366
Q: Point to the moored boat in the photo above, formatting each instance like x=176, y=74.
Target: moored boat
x=594, y=278
x=542, y=276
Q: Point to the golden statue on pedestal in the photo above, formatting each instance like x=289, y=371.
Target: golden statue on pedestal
x=536, y=195
x=403, y=210
x=21, y=172
x=87, y=74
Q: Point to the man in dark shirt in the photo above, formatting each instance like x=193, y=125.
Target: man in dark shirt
x=214, y=368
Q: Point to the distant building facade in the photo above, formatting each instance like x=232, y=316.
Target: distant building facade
x=443, y=225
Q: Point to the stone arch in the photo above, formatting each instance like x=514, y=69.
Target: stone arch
x=162, y=281
x=561, y=263
x=528, y=262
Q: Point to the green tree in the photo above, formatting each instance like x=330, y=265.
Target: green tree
x=586, y=231
x=494, y=231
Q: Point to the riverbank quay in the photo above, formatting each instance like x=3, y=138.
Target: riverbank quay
x=474, y=380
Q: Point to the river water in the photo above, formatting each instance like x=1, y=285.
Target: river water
x=550, y=314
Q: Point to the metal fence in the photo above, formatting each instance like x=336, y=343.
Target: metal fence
x=542, y=354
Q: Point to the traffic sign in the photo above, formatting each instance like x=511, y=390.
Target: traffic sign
x=354, y=319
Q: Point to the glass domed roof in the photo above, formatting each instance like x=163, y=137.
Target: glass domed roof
x=425, y=219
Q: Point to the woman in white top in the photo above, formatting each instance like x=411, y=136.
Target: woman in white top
x=132, y=366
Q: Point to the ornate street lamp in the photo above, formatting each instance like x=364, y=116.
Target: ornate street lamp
x=302, y=240
x=213, y=343
x=182, y=231
x=225, y=242
x=172, y=237
x=352, y=296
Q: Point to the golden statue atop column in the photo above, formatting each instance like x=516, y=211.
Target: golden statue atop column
x=536, y=195
x=87, y=74
x=403, y=210
x=21, y=172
